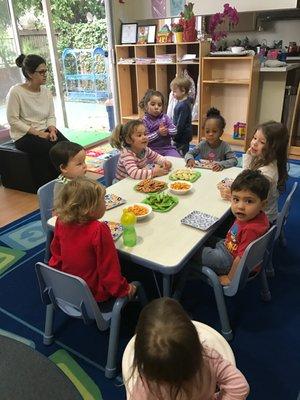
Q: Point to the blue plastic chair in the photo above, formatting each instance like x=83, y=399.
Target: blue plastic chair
x=109, y=167
x=72, y=295
x=280, y=224
x=45, y=195
x=255, y=254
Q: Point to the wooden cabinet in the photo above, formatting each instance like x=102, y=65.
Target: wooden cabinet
x=135, y=78
x=230, y=84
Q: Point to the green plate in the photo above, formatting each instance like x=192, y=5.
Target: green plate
x=155, y=208
x=196, y=176
x=157, y=191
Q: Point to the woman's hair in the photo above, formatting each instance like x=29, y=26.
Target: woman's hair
x=276, y=148
x=29, y=63
x=182, y=82
x=168, y=354
x=79, y=201
x=122, y=133
x=214, y=113
x=62, y=152
x=147, y=97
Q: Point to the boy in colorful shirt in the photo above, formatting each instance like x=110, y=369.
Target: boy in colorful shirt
x=249, y=192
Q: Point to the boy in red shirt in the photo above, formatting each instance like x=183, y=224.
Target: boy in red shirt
x=249, y=192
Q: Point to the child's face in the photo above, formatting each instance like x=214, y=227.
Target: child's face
x=212, y=132
x=139, y=139
x=246, y=205
x=258, y=143
x=76, y=166
x=155, y=106
x=178, y=93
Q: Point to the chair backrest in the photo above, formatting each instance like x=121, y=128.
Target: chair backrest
x=109, y=167
x=282, y=216
x=208, y=337
x=70, y=293
x=254, y=255
x=45, y=195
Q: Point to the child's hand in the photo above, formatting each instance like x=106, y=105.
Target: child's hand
x=190, y=163
x=167, y=165
x=163, y=130
x=217, y=167
x=225, y=192
x=131, y=291
x=159, y=170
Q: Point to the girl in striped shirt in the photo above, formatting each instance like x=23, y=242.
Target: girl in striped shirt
x=136, y=159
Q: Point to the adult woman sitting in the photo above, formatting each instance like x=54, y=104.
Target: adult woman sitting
x=30, y=114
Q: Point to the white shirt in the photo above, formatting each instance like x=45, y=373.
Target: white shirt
x=27, y=109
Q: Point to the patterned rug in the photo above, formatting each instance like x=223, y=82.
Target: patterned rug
x=96, y=157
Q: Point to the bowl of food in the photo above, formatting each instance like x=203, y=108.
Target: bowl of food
x=237, y=49
x=180, y=187
x=140, y=210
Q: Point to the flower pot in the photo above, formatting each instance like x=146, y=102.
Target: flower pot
x=189, y=31
x=178, y=37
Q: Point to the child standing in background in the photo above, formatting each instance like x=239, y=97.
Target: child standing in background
x=173, y=364
x=213, y=148
x=268, y=154
x=182, y=116
x=136, y=159
x=69, y=159
x=159, y=127
x=82, y=245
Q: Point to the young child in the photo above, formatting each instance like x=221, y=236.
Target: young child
x=173, y=364
x=160, y=128
x=249, y=192
x=268, y=154
x=82, y=245
x=182, y=117
x=69, y=159
x=213, y=148
x=136, y=159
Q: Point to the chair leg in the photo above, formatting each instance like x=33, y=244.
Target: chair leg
x=48, y=334
x=49, y=237
x=270, y=272
x=282, y=238
x=265, y=292
x=221, y=305
x=111, y=364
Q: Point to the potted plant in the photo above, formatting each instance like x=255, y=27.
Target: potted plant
x=188, y=21
x=177, y=29
x=217, y=20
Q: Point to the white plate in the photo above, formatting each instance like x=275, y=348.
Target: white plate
x=180, y=191
x=199, y=220
x=139, y=217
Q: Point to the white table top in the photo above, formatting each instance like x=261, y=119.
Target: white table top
x=164, y=244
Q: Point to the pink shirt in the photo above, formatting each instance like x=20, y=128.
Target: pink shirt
x=230, y=381
x=130, y=164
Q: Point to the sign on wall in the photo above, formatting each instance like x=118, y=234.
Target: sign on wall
x=176, y=6
x=158, y=8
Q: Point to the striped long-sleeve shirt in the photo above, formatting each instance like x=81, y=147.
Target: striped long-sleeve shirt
x=152, y=125
x=135, y=166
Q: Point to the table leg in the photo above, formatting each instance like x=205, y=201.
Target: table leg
x=166, y=285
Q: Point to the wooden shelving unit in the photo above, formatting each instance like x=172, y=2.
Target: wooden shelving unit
x=134, y=79
x=230, y=84
x=227, y=83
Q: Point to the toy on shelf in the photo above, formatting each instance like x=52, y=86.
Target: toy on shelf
x=239, y=130
x=164, y=35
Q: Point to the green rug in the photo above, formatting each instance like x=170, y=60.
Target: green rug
x=86, y=138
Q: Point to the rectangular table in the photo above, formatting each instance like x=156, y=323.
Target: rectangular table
x=164, y=244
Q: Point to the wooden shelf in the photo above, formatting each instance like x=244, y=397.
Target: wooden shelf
x=130, y=117
x=196, y=123
x=228, y=81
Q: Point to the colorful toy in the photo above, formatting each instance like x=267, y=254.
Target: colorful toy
x=239, y=130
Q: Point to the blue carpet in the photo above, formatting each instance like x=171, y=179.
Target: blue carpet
x=266, y=342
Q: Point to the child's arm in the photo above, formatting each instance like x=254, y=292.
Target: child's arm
x=156, y=158
x=108, y=265
x=130, y=165
x=229, y=160
x=190, y=155
x=168, y=123
x=231, y=382
x=182, y=120
x=152, y=129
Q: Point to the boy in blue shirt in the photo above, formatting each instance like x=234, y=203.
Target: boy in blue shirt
x=182, y=117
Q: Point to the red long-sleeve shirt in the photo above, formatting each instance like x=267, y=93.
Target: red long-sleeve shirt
x=88, y=251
